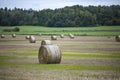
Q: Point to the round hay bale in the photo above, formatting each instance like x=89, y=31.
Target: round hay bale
x=2, y=36
x=61, y=36
x=71, y=36
x=46, y=42
x=14, y=35
x=117, y=38
x=49, y=54
x=40, y=34
x=53, y=37
x=27, y=37
x=32, y=39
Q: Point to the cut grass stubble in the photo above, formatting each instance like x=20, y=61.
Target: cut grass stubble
x=58, y=67
x=4, y=61
x=28, y=53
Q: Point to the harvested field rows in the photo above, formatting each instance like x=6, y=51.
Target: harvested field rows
x=83, y=58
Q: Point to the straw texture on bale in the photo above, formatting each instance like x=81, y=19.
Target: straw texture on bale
x=117, y=38
x=27, y=37
x=61, y=36
x=14, y=35
x=46, y=42
x=32, y=39
x=49, y=54
x=53, y=37
x=71, y=36
x=2, y=36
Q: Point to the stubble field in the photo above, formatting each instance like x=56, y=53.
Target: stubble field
x=83, y=58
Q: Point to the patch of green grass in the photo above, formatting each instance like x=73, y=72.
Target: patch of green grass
x=62, y=67
x=22, y=53
x=26, y=53
x=4, y=63
x=92, y=55
x=45, y=30
x=4, y=59
x=11, y=40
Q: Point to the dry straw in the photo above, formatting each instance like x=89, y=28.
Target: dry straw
x=49, y=54
x=61, y=36
x=14, y=35
x=32, y=39
x=117, y=38
x=71, y=36
x=27, y=37
x=2, y=36
x=53, y=37
x=46, y=42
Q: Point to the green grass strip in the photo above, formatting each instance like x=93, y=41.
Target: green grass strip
x=11, y=40
x=3, y=58
x=37, y=29
x=63, y=67
x=26, y=53
x=92, y=55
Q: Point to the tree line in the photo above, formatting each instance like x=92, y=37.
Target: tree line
x=74, y=16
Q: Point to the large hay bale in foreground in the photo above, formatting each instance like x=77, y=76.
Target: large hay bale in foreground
x=46, y=42
x=61, y=36
x=32, y=39
x=14, y=35
x=27, y=37
x=2, y=36
x=49, y=54
x=117, y=38
x=71, y=36
x=53, y=37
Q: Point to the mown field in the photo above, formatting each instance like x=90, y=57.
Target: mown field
x=83, y=58
x=100, y=30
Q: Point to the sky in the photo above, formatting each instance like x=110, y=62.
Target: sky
x=53, y=4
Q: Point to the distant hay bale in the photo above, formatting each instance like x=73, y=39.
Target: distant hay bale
x=40, y=34
x=32, y=39
x=61, y=36
x=46, y=42
x=49, y=54
x=2, y=36
x=14, y=35
x=27, y=37
x=71, y=36
x=117, y=38
x=53, y=37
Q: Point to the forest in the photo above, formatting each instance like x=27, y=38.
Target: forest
x=69, y=16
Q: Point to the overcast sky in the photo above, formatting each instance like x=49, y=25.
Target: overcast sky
x=52, y=4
